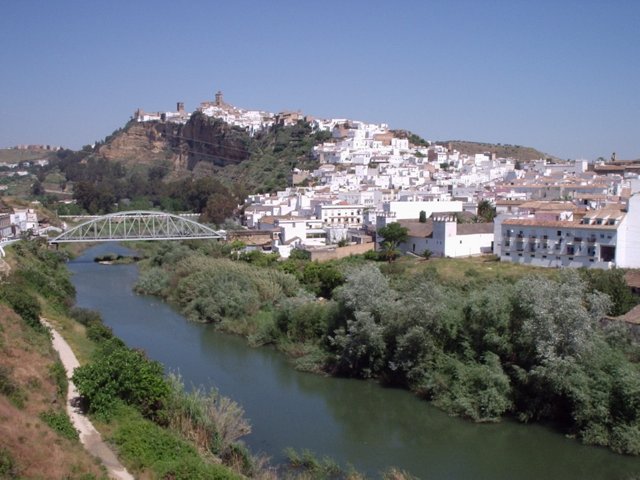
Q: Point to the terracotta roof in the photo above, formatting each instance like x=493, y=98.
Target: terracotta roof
x=632, y=316
x=632, y=277
x=417, y=229
x=555, y=206
x=474, y=228
x=424, y=230
x=532, y=222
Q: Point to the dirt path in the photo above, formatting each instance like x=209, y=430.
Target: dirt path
x=89, y=436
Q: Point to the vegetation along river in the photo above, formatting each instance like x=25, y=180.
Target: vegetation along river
x=352, y=421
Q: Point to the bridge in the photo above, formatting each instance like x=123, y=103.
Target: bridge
x=137, y=225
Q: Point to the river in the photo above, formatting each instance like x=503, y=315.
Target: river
x=354, y=422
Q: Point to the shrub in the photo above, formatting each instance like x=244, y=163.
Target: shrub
x=59, y=376
x=60, y=423
x=85, y=316
x=147, y=446
x=477, y=391
x=213, y=422
x=304, y=321
x=152, y=282
x=24, y=303
x=118, y=373
x=10, y=389
x=8, y=466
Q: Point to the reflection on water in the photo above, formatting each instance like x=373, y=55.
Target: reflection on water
x=352, y=421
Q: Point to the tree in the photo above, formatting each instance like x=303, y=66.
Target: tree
x=423, y=217
x=119, y=373
x=389, y=251
x=486, y=211
x=37, y=189
x=393, y=234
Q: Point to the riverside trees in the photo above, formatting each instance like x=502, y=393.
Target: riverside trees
x=533, y=348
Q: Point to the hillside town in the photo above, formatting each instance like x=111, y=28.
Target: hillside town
x=547, y=212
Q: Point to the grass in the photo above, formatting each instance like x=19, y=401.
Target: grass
x=73, y=332
x=151, y=450
x=60, y=423
x=464, y=271
x=31, y=413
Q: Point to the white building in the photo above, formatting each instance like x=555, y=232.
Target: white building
x=444, y=237
x=605, y=238
x=23, y=220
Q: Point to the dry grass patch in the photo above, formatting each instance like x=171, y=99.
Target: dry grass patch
x=35, y=450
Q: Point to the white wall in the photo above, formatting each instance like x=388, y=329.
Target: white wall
x=411, y=210
x=628, y=248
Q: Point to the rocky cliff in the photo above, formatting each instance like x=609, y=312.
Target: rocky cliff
x=200, y=140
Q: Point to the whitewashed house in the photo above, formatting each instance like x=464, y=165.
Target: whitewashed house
x=444, y=237
x=604, y=238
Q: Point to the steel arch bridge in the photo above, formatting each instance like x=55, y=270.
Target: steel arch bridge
x=137, y=225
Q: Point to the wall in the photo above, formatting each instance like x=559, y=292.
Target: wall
x=340, y=252
x=628, y=251
x=411, y=210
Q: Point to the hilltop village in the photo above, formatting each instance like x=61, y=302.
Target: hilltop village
x=545, y=212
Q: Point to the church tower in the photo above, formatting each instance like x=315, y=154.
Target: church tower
x=219, y=101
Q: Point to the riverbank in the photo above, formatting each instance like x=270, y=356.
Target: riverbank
x=354, y=422
x=483, y=348
x=39, y=286
x=89, y=436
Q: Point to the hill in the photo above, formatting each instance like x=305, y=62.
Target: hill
x=517, y=152
x=209, y=146
x=17, y=155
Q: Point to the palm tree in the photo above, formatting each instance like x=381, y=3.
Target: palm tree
x=389, y=251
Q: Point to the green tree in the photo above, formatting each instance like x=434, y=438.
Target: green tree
x=118, y=373
x=486, y=211
x=423, y=217
x=613, y=283
x=393, y=234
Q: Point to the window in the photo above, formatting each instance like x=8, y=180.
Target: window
x=559, y=233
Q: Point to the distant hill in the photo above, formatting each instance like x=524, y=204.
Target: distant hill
x=15, y=155
x=517, y=152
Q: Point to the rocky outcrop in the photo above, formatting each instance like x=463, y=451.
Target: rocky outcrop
x=144, y=143
x=202, y=140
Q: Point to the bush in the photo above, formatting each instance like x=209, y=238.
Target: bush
x=118, y=373
x=24, y=303
x=10, y=388
x=96, y=330
x=213, y=422
x=304, y=321
x=59, y=377
x=85, y=316
x=60, y=423
x=147, y=446
x=211, y=290
x=480, y=392
x=153, y=281
x=8, y=466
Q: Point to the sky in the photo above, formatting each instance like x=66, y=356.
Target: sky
x=560, y=76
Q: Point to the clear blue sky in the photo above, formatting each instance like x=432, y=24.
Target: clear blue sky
x=562, y=76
